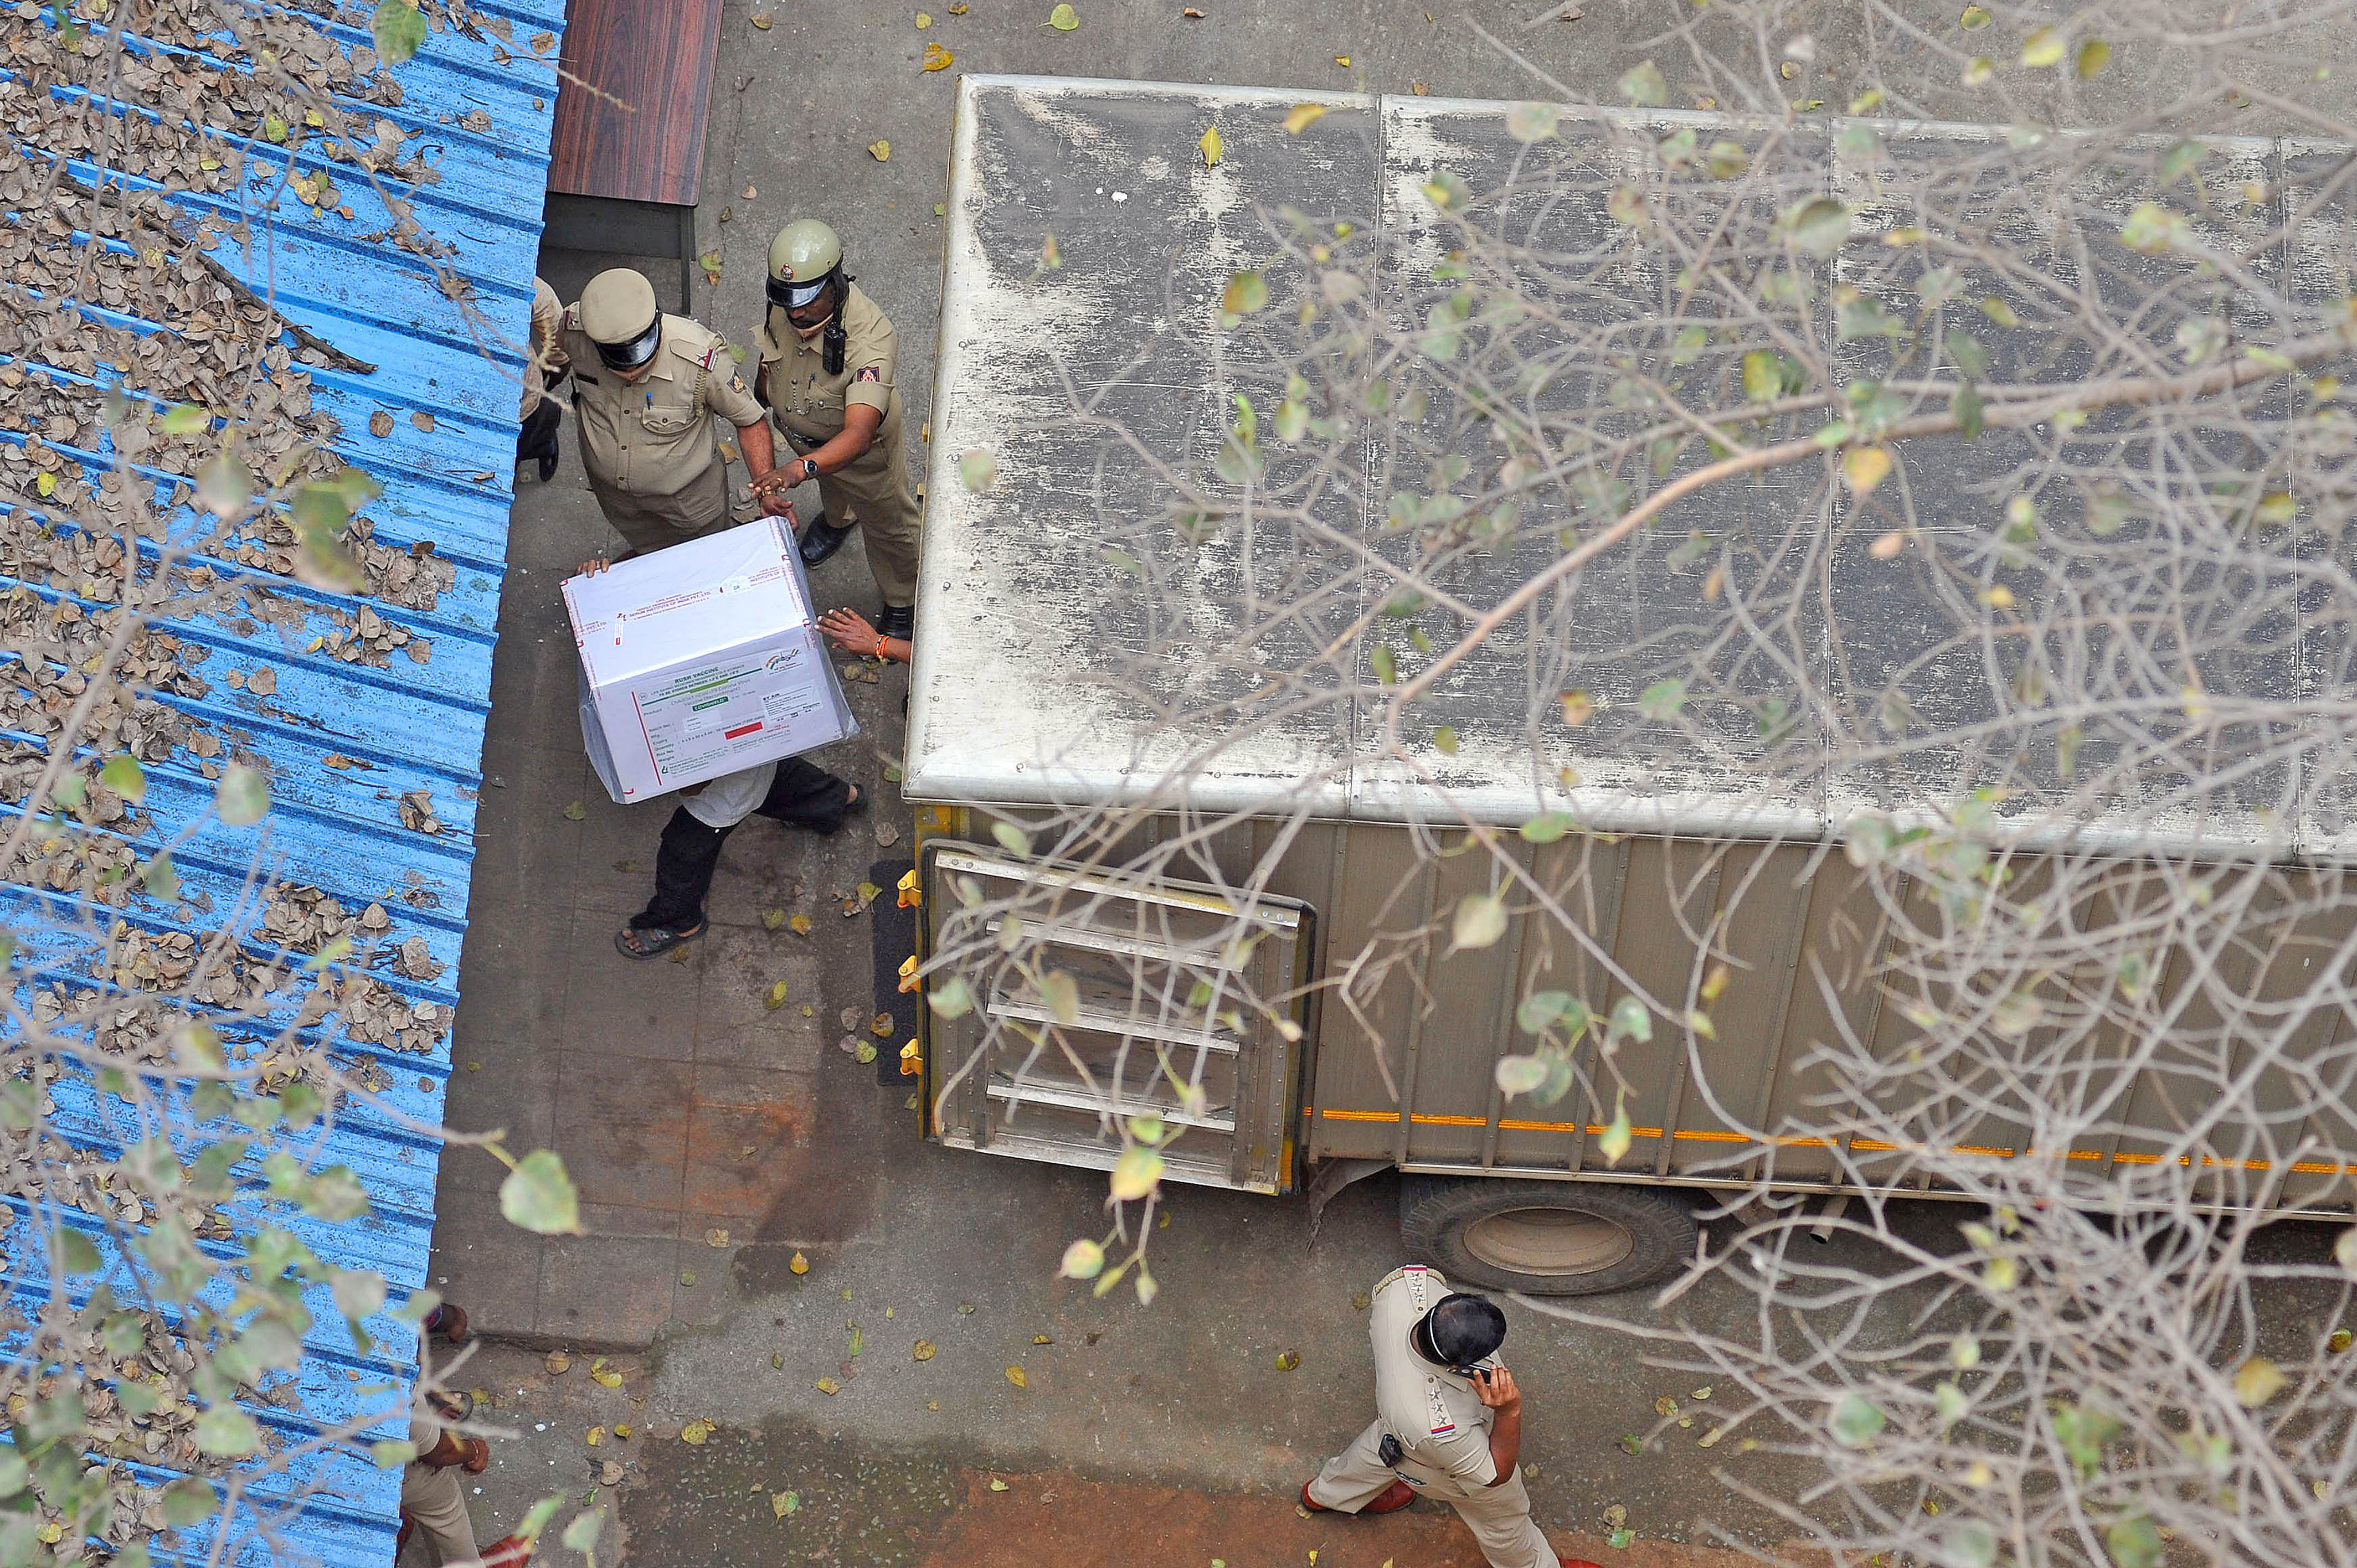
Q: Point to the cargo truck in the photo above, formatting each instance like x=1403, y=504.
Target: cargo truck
x=1247, y=921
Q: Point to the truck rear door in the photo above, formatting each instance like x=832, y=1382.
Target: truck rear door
x=1092, y=999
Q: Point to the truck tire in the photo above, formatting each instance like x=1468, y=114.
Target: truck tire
x=1546, y=1238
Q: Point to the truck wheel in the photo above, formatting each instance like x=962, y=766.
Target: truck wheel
x=1546, y=1238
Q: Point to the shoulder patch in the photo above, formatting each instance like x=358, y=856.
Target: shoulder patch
x=1443, y=1424
x=869, y=373
x=1413, y=1276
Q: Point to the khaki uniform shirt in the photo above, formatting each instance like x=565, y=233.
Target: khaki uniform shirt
x=1439, y=1420
x=547, y=315
x=808, y=402
x=652, y=436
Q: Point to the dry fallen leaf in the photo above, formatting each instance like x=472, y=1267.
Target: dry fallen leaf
x=716, y=1236
x=800, y=924
x=380, y=424
x=783, y=1503
x=1419, y=89
x=775, y=997
x=1665, y=1405
x=423, y=421
x=609, y=1474
x=882, y=149
x=596, y=1435
x=556, y=1363
x=1063, y=18
x=923, y=21
x=575, y=812
x=800, y=1265
x=750, y=193
x=924, y=1350
x=1211, y=144
x=1191, y=13
x=937, y=57
x=1287, y=1359
x=829, y=1387
x=880, y=1026
x=764, y=20
x=606, y=1377
x=772, y=919
x=1015, y=1375
x=996, y=1484
x=696, y=1431
x=1303, y=116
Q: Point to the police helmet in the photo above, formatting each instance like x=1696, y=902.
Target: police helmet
x=618, y=312
x=804, y=258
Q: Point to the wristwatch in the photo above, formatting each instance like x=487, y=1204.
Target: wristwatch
x=810, y=467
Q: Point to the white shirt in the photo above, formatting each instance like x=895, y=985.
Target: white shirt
x=731, y=797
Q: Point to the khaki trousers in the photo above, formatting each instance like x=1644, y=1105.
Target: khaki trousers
x=648, y=524
x=874, y=492
x=1498, y=1517
x=435, y=1503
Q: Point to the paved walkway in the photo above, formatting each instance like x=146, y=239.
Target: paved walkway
x=680, y=1100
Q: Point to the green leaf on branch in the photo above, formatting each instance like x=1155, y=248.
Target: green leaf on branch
x=1630, y=1021
x=2133, y=1541
x=1246, y=291
x=537, y=1196
x=186, y=419
x=951, y=998
x=398, y=30
x=76, y=1255
x=1662, y=700
x=1135, y=1173
x=226, y=1431
x=1480, y=921
x=1817, y=227
x=123, y=775
x=243, y=797
x=1855, y=1421
x=1644, y=86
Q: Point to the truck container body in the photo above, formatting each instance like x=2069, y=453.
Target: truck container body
x=1073, y=811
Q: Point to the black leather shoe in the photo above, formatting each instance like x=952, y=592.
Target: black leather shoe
x=548, y=466
x=898, y=620
x=821, y=540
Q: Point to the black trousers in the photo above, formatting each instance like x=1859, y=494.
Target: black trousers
x=803, y=795
x=536, y=437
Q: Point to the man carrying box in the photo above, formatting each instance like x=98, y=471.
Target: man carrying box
x=704, y=674
x=794, y=792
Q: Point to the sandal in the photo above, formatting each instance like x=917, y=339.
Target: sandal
x=653, y=942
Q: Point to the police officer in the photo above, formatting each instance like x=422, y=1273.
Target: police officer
x=538, y=414
x=827, y=358
x=645, y=387
x=1449, y=1421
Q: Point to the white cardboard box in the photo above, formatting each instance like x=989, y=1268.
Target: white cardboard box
x=702, y=659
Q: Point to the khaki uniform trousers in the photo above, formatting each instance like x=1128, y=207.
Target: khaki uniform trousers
x=648, y=524
x=435, y=1501
x=1498, y=1517
x=874, y=491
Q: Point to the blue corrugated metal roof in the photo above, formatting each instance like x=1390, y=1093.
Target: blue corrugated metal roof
x=345, y=742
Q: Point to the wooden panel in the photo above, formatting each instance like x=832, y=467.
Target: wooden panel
x=1370, y=968
x=657, y=60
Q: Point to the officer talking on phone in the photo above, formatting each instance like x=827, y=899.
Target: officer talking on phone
x=1449, y=1421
